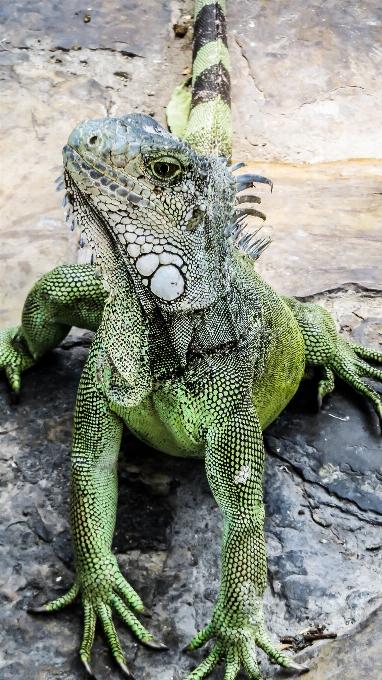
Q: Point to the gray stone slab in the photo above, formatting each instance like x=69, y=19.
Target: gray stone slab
x=325, y=221
x=354, y=656
x=335, y=449
x=133, y=27
x=306, y=85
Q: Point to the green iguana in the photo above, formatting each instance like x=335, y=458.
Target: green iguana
x=193, y=350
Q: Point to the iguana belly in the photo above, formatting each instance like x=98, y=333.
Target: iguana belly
x=159, y=424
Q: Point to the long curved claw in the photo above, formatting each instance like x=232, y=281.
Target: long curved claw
x=153, y=644
x=88, y=668
x=298, y=667
x=15, y=395
x=37, y=610
x=319, y=401
x=125, y=670
x=146, y=612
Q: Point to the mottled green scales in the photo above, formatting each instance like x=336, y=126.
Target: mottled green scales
x=193, y=350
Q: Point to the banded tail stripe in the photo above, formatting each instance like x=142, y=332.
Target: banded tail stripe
x=209, y=128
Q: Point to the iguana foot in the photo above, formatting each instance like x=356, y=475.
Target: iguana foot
x=14, y=357
x=335, y=355
x=348, y=363
x=103, y=588
x=237, y=647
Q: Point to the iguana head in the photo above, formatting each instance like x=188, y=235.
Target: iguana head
x=144, y=197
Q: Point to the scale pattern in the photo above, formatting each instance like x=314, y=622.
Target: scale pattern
x=193, y=350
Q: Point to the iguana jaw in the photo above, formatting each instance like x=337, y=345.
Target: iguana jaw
x=160, y=205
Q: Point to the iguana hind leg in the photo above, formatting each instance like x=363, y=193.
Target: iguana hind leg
x=69, y=295
x=335, y=355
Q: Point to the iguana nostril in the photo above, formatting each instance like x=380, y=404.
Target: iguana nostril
x=93, y=140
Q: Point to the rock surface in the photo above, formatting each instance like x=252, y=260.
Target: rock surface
x=325, y=222
x=311, y=75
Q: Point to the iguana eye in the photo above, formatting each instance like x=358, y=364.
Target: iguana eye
x=166, y=169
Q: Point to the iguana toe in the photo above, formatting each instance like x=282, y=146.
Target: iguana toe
x=14, y=357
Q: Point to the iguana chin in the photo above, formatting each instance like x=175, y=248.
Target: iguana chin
x=193, y=350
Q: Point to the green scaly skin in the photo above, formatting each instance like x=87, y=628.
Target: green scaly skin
x=195, y=353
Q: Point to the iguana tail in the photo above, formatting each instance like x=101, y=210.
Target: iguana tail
x=209, y=127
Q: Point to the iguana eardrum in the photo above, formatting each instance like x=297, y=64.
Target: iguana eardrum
x=193, y=350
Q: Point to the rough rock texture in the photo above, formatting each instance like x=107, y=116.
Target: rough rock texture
x=325, y=221
x=110, y=25
x=342, y=658
x=313, y=79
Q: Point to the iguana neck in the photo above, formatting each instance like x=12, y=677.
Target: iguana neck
x=179, y=334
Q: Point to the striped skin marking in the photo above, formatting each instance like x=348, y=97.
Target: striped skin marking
x=210, y=25
x=208, y=55
x=209, y=127
x=214, y=79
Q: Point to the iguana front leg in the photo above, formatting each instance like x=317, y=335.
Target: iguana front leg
x=335, y=355
x=69, y=295
x=234, y=465
x=93, y=504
